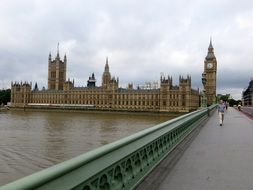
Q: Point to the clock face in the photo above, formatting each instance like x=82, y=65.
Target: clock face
x=209, y=65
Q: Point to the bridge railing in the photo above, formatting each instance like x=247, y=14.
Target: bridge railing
x=118, y=165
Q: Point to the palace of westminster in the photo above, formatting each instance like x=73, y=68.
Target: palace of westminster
x=109, y=96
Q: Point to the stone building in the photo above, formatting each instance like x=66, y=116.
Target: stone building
x=108, y=96
x=247, y=95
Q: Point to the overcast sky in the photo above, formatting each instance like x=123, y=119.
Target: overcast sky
x=142, y=39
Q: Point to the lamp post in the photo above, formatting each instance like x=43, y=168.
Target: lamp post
x=204, y=100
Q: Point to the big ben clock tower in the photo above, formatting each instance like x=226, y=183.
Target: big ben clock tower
x=210, y=70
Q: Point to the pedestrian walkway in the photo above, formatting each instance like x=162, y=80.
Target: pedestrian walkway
x=248, y=111
x=218, y=158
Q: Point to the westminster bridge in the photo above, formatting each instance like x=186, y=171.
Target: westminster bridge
x=188, y=152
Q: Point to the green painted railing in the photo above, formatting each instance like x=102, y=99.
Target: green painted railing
x=118, y=165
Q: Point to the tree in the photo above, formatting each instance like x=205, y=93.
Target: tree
x=227, y=98
x=224, y=97
x=5, y=96
x=233, y=102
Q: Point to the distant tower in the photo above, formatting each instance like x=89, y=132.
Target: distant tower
x=106, y=75
x=92, y=81
x=56, y=71
x=210, y=68
x=185, y=91
x=165, y=88
x=36, y=87
x=20, y=93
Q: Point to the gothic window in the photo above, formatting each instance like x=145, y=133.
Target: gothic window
x=183, y=100
x=53, y=74
x=61, y=75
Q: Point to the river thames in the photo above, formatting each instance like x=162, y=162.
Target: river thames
x=31, y=141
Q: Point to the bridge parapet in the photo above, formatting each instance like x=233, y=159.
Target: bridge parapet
x=118, y=165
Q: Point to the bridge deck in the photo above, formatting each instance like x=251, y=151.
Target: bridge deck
x=218, y=158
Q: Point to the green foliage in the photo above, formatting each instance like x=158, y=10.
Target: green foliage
x=224, y=97
x=5, y=96
x=233, y=102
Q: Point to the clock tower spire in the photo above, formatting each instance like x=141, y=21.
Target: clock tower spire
x=210, y=69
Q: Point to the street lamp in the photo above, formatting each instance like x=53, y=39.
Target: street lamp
x=204, y=100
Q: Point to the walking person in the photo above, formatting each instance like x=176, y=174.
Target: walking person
x=239, y=107
x=221, y=110
x=226, y=104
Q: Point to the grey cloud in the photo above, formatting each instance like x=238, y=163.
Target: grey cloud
x=141, y=38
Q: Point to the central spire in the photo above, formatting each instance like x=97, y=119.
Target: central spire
x=210, y=48
x=106, y=75
x=58, y=54
x=210, y=53
x=49, y=57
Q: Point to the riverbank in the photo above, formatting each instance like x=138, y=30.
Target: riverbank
x=94, y=110
x=4, y=108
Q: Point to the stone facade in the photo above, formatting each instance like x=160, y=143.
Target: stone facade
x=108, y=96
x=56, y=72
x=247, y=95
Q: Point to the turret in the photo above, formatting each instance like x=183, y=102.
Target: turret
x=68, y=85
x=130, y=86
x=185, y=81
x=166, y=82
x=92, y=81
x=189, y=78
x=65, y=58
x=114, y=83
x=49, y=58
x=36, y=87
x=58, y=54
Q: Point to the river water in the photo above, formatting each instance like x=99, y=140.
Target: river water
x=31, y=141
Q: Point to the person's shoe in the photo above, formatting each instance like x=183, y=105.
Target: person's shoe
x=220, y=124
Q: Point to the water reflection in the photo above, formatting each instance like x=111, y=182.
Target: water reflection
x=31, y=141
